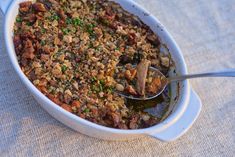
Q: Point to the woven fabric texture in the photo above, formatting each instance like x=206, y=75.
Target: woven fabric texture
x=205, y=32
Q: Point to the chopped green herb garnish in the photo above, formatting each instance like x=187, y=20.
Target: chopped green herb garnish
x=101, y=87
x=53, y=17
x=90, y=29
x=117, y=48
x=86, y=110
x=43, y=42
x=102, y=82
x=28, y=24
x=95, y=88
x=66, y=30
x=69, y=21
x=77, y=22
x=76, y=65
x=43, y=30
x=97, y=48
x=64, y=68
x=110, y=89
x=93, y=79
x=19, y=19
x=91, y=32
x=98, y=85
x=89, y=92
x=40, y=23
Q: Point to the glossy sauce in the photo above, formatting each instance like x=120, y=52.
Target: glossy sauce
x=156, y=107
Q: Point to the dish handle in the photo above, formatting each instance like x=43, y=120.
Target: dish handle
x=4, y=4
x=184, y=123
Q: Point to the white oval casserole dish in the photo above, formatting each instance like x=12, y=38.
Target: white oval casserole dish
x=183, y=111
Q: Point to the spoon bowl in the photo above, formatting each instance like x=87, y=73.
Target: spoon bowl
x=165, y=81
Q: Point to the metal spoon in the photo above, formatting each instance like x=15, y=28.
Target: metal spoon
x=224, y=73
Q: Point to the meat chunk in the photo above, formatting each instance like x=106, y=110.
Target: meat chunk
x=57, y=71
x=130, y=74
x=28, y=50
x=62, y=14
x=27, y=35
x=67, y=98
x=131, y=39
x=43, y=89
x=98, y=32
x=68, y=39
x=76, y=103
x=47, y=3
x=142, y=70
x=39, y=7
x=67, y=107
x=17, y=40
x=155, y=85
x=131, y=90
x=25, y=6
x=57, y=41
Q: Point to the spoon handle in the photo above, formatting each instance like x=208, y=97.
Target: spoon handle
x=225, y=73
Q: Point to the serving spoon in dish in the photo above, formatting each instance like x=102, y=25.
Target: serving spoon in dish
x=165, y=81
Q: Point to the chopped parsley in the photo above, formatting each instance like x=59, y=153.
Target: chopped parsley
x=43, y=30
x=66, y=30
x=98, y=85
x=98, y=48
x=76, y=66
x=28, y=24
x=69, y=21
x=95, y=88
x=90, y=29
x=19, y=19
x=53, y=17
x=77, y=22
x=93, y=79
x=110, y=89
x=74, y=21
x=101, y=82
x=117, y=48
x=43, y=42
x=101, y=87
x=86, y=110
x=64, y=68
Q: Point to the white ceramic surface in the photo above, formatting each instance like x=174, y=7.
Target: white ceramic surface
x=183, y=112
